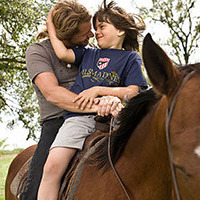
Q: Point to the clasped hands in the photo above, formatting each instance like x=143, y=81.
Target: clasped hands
x=106, y=104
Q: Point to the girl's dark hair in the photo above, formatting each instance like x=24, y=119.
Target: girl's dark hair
x=132, y=24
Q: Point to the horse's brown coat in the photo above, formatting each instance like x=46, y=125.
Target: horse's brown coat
x=143, y=164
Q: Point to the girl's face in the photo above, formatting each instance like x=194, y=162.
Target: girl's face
x=108, y=37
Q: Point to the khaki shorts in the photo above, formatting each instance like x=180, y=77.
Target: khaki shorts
x=74, y=131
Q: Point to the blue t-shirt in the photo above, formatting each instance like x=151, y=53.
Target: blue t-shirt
x=106, y=67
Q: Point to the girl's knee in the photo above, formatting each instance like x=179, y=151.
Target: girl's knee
x=51, y=167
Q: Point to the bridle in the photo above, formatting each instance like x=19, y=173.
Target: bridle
x=169, y=113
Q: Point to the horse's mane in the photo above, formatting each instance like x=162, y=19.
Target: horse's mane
x=189, y=68
x=130, y=116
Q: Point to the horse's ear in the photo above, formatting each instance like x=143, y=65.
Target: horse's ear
x=161, y=71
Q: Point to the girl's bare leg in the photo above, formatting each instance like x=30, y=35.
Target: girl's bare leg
x=56, y=165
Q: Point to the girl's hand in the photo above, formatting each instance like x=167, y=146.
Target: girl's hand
x=50, y=26
x=49, y=17
x=86, y=98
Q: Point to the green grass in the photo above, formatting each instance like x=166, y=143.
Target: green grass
x=7, y=152
x=5, y=161
x=6, y=158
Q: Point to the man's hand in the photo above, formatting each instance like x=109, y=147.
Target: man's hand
x=108, y=105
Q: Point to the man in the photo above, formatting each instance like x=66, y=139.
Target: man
x=52, y=79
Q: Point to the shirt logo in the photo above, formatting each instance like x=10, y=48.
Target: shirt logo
x=103, y=63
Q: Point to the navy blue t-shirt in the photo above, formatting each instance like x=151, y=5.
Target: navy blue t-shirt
x=106, y=67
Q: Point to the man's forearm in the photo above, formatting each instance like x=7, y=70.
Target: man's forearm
x=64, y=98
x=58, y=95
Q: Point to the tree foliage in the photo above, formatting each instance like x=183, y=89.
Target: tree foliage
x=183, y=21
x=20, y=20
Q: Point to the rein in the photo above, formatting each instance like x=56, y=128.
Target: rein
x=169, y=113
x=111, y=163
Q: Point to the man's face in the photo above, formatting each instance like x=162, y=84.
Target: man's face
x=82, y=37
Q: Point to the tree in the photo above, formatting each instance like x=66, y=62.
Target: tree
x=183, y=23
x=20, y=20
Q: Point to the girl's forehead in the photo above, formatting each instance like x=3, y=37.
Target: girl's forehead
x=100, y=21
x=103, y=18
x=100, y=17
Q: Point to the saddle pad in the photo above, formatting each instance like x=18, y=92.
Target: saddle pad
x=19, y=181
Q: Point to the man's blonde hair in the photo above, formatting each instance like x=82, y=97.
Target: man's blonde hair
x=66, y=17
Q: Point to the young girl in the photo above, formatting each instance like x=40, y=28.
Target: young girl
x=115, y=70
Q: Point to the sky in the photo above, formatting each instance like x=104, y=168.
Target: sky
x=16, y=138
x=129, y=5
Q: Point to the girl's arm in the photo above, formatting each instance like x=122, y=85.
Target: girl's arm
x=60, y=49
x=87, y=96
x=63, y=98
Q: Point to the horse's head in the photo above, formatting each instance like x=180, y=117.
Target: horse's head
x=181, y=91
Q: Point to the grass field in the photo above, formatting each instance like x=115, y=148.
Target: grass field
x=5, y=161
x=6, y=158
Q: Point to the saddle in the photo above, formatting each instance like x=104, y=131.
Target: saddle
x=71, y=178
x=19, y=181
x=102, y=128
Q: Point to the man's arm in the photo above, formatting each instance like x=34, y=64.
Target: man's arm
x=60, y=96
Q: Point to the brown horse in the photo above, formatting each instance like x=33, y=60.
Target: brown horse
x=156, y=149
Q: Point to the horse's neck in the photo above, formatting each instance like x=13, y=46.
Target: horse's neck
x=145, y=156
x=149, y=136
